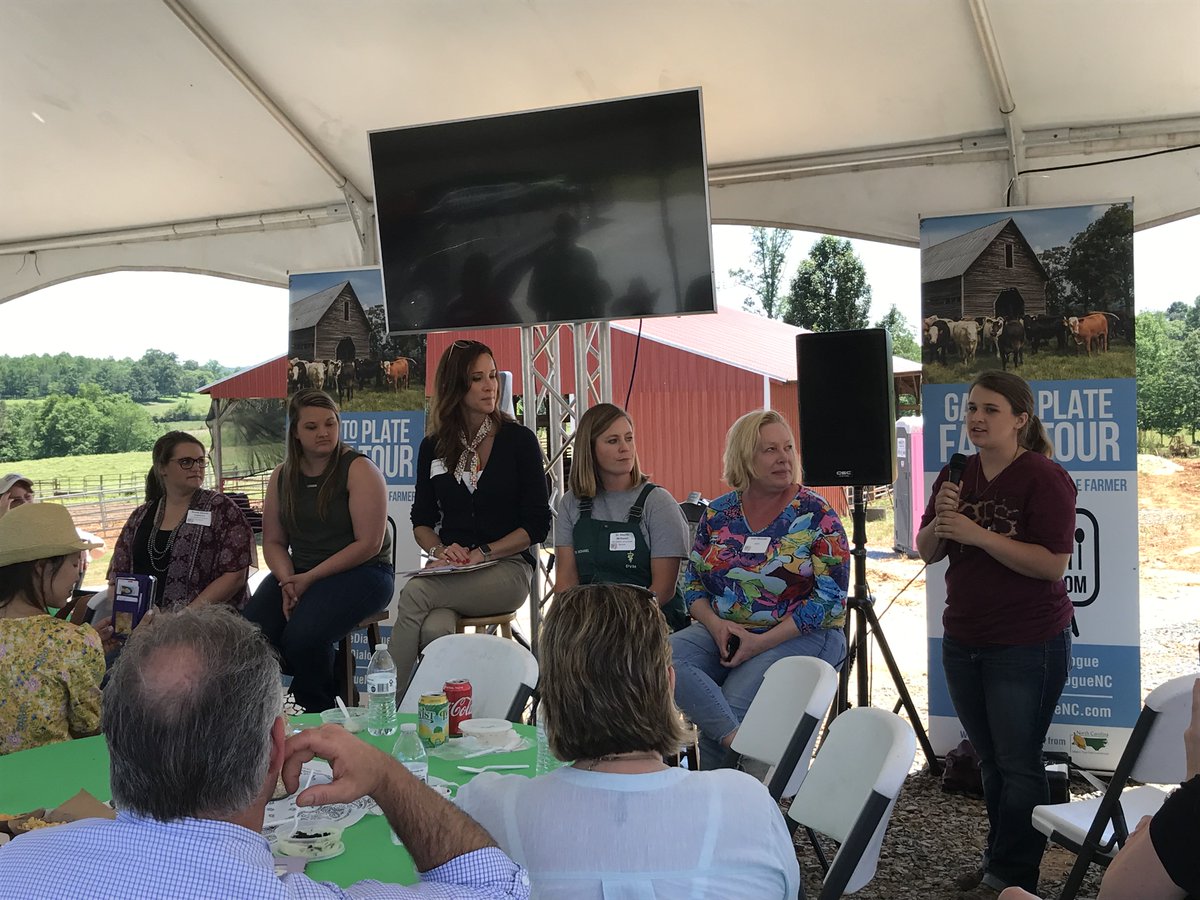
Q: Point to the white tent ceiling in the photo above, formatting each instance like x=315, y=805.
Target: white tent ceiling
x=130, y=142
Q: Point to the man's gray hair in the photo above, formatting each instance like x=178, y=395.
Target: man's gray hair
x=187, y=714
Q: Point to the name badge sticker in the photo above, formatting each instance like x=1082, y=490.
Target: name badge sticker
x=621, y=540
x=199, y=517
x=757, y=544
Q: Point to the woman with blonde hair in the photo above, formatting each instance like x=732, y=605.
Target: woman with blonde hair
x=326, y=540
x=609, y=824
x=766, y=579
x=615, y=525
x=1008, y=530
x=480, y=499
x=51, y=671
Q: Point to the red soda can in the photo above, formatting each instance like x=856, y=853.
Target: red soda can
x=458, y=693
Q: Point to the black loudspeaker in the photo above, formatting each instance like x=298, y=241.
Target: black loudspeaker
x=847, y=407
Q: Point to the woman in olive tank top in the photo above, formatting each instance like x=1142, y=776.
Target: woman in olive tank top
x=326, y=540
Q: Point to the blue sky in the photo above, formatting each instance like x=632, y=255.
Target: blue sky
x=201, y=318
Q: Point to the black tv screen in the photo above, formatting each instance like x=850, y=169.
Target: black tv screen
x=571, y=214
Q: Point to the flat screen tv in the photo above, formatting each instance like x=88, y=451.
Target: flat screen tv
x=572, y=214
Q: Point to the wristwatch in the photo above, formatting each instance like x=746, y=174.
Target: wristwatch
x=436, y=550
x=486, y=550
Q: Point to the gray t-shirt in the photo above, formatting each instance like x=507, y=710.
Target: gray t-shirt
x=663, y=524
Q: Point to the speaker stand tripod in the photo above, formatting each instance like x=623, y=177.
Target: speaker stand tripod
x=860, y=611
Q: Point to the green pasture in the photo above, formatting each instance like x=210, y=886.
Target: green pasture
x=1047, y=365
x=134, y=464
x=385, y=401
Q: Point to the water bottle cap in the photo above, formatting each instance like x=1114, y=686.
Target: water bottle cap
x=408, y=726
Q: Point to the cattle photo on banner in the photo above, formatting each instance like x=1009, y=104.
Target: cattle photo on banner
x=1047, y=293
x=339, y=343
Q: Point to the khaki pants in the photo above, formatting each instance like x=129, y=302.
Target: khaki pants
x=429, y=607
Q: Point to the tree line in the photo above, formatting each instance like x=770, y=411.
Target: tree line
x=830, y=291
x=157, y=374
x=81, y=406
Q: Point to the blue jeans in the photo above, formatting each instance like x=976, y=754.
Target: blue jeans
x=1005, y=697
x=716, y=698
x=326, y=613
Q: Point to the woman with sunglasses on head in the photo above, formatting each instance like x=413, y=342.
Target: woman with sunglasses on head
x=619, y=822
x=480, y=498
x=1007, y=528
x=615, y=526
x=326, y=540
x=195, y=542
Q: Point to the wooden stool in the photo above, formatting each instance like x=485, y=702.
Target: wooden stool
x=346, y=655
x=482, y=623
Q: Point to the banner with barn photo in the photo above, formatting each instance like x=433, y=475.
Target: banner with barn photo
x=1048, y=293
x=338, y=342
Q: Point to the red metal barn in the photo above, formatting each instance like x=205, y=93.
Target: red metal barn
x=695, y=375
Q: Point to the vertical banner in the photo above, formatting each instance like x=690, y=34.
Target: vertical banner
x=1048, y=294
x=339, y=342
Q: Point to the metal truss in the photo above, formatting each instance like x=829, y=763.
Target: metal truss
x=543, y=359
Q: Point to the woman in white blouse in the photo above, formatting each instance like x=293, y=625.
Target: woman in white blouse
x=619, y=822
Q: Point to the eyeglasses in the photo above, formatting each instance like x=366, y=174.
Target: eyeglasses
x=464, y=345
x=186, y=462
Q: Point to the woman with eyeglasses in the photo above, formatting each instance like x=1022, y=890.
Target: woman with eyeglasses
x=326, y=539
x=480, y=498
x=615, y=526
x=195, y=542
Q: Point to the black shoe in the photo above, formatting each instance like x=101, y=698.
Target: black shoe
x=969, y=879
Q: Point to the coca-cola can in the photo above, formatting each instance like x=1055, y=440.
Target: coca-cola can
x=458, y=693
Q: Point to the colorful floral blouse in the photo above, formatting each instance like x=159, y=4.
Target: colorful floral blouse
x=50, y=673
x=799, y=565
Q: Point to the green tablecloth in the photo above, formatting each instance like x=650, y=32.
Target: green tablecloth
x=47, y=776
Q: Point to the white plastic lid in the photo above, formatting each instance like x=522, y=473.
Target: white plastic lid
x=408, y=726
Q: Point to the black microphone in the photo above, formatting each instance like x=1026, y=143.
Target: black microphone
x=958, y=462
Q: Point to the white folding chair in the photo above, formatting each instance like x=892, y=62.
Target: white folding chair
x=780, y=727
x=503, y=674
x=1096, y=829
x=850, y=789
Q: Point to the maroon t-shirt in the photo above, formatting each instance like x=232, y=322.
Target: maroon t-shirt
x=1033, y=500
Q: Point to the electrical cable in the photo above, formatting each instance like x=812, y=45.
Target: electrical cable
x=637, y=346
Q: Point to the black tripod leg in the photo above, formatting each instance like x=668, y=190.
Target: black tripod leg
x=935, y=765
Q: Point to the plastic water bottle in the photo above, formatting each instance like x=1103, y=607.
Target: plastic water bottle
x=546, y=761
x=411, y=753
x=381, y=693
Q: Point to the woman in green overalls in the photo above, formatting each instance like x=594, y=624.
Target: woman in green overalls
x=614, y=526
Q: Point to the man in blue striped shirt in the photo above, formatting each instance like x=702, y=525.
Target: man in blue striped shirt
x=196, y=741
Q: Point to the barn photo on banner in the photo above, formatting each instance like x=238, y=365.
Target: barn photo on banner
x=338, y=342
x=1048, y=293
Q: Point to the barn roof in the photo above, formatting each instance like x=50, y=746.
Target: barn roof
x=307, y=312
x=264, y=379
x=951, y=258
x=745, y=340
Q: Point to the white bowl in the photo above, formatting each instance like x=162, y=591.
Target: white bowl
x=356, y=723
x=489, y=732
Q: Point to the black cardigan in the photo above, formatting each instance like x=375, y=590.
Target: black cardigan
x=511, y=493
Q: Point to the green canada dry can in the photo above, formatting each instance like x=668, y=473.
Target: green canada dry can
x=433, y=715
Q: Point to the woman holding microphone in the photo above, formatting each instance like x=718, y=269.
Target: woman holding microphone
x=1007, y=528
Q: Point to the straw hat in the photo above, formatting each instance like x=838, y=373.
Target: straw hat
x=39, y=531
